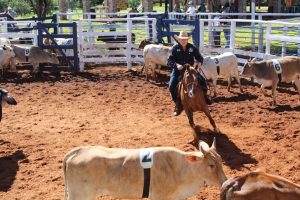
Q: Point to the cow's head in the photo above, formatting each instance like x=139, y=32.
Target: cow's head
x=4, y=97
x=53, y=59
x=8, y=51
x=247, y=69
x=209, y=163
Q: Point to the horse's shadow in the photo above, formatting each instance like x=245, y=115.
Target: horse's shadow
x=8, y=169
x=239, y=97
x=230, y=153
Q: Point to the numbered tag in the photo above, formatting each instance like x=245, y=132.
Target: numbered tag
x=146, y=158
x=217, y=61
x=277, y=66
x=27, y=51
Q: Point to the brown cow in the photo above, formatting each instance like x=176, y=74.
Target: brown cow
x=159, y=173
x=269, y=72
x=259, y=185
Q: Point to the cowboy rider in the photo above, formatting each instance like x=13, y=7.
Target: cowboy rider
x=183, y=53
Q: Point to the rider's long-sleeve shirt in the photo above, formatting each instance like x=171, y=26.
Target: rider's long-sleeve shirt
x=180, y=57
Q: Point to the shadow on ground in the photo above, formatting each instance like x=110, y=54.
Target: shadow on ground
x=230, y=153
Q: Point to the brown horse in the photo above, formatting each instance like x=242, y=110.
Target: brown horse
x=192, y=96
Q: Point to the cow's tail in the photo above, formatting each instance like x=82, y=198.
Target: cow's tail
x=67, y=157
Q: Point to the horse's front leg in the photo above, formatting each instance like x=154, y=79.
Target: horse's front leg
x=211, y=120
x=190, y=117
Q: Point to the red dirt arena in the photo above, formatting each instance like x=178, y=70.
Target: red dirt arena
x=113, y=107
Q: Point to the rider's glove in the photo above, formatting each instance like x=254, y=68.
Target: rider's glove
x=179, y=67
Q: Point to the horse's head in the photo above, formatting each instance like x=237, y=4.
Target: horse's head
x=190, y=80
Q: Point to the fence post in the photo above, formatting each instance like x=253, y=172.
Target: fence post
x=253, y=26
x=232, y=34
x=81, y=41
x=283, y=49
x=201, y=39
x=75, y=46
x=197, y=32
x=148, y=29
x=154, y=29
x=129, y=44
x=268, y=42
x=260, y=36
x=298, y=43
x=210, y=34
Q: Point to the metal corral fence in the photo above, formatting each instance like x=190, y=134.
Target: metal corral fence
x=113, y=40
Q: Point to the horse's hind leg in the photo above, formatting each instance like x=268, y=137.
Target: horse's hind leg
x=211, y=120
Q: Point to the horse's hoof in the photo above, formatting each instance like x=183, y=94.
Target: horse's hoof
x=217, y=130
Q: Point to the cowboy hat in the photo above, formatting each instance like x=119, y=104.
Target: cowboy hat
x=182, y=35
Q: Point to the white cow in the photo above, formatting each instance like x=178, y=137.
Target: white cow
x=155, y=56
x=173, y=174
x=4, y=41
x=6, y=56
x=225, y=65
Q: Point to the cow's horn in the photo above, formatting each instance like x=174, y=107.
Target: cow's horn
x=214, y=143
x=203, y=145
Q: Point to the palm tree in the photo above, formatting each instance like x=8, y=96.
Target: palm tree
x=63, y=7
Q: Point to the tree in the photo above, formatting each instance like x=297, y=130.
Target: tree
x=86, y=7
x=40, y=7
x=63, y=7
x=275, y=6
x=214, y=5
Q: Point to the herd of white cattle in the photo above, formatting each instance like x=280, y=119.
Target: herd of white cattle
x=268, y=73
x=165, y=173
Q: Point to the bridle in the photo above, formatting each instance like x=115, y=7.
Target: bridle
x=189, y=88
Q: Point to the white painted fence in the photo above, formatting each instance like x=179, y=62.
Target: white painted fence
x=7, y=28
x=261, y=46
x=92, y=50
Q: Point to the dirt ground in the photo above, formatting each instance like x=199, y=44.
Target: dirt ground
x=112, y=107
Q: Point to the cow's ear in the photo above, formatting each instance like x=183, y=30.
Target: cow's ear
x=253, y=60
x=192, y=158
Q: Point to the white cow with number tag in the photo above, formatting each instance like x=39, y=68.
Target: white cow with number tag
x=174, y=175
x=224, y=65
x=270, y=72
